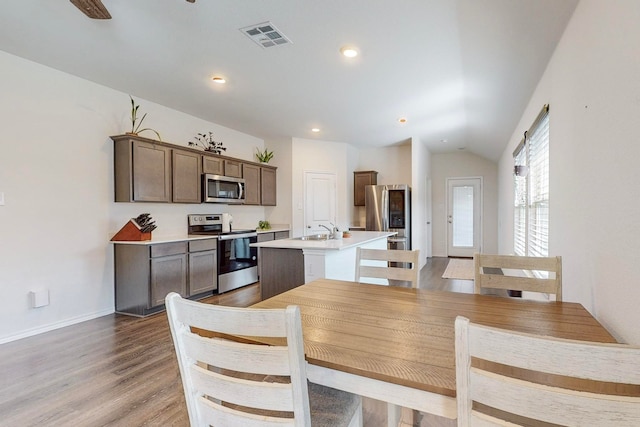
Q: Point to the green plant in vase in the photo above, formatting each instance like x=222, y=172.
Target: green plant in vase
x=264, y=156
x=135, y=123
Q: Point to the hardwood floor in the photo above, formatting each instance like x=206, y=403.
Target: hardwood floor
x=121, y=371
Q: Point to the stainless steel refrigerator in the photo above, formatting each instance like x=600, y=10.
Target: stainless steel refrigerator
x=388, y=208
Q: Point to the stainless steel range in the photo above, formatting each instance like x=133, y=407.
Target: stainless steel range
x=237, y=261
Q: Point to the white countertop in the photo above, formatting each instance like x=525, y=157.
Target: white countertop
x=275, y=228
x=165, y=239
x=186, y=237
x=357, y=238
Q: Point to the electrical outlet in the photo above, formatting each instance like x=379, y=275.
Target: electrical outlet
x=39, y=298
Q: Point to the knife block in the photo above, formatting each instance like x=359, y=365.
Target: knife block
x=131, y=232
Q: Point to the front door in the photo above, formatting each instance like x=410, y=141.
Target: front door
x=464, y=204
x=320, y=201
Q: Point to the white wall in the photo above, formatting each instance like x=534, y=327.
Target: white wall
x=421, y=174
x=319, y=156
x=464, y=164
x=593, y=87
x=56, y=171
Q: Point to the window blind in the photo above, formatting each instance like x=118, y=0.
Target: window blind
x=531, y=185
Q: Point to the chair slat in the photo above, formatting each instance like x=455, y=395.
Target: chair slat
x=256, y=359
x=368, y=260
x=253, y=394
x=252, y=322
x=507, y=263
x=553, y=404
x=214, y=414
x=604, y=362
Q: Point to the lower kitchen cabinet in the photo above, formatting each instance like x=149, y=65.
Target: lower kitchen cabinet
x=203, y=266
x=168, y=274
x=146, y=273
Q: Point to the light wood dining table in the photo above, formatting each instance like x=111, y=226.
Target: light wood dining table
x=397, y=344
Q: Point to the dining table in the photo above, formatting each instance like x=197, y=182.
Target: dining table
x=397, y=345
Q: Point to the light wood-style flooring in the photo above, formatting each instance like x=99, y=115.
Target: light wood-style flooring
x=121, y=371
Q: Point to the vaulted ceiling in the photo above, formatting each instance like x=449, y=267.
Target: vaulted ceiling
x=460, y=71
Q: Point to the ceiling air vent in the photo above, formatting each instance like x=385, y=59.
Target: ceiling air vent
x=265, y=34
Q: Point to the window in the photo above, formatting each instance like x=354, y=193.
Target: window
x=531, y=184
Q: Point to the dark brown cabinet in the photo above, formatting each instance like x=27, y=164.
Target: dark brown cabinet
x=260, y=184
x=146, y=273
x=232, y=168
x=187, y=177
x=212, y=165
x=146, y=170
x=203, y=268
x=251, y=175
x=168, y=274
x=268, y=186
x=360, y=179
x=142, y=171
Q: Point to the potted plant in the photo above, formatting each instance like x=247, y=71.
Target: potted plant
x=264, y=156
x=207, y=143
x=135, y=124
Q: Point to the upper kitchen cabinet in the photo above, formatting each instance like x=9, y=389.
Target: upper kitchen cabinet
x=186, y=176
x=147, y=170
x=212, y=165
x=360, y=179
x=251, y=175
x=268, y=186
x=232, y=168
x=260, y=184
x=142, y=170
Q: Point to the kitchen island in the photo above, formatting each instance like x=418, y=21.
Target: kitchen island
x=288, y=263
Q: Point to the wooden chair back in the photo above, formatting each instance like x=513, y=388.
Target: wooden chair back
x=224, y=380
x=521, y=400
x=405, y=270
x=524, y=279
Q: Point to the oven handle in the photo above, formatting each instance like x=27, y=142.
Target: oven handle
x=237, y=236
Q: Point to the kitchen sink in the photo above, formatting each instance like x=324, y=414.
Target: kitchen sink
x=313, y=237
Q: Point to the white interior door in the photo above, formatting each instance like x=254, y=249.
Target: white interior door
x=464, y=205
x=320, y=201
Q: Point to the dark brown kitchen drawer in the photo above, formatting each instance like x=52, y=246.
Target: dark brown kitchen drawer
x=165, y=249
x=202, y=245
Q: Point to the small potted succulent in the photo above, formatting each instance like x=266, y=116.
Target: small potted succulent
x=135, y=123
x=205, y=140
x=264, y=156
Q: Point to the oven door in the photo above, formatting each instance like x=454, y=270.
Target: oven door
x=222, y=189
x=234, y=252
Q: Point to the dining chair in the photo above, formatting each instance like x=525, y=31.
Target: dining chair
x=230, y=379
x=398, y=265
x=580, y=364
x=516, y=273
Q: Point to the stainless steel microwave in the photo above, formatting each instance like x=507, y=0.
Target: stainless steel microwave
x=222, y=189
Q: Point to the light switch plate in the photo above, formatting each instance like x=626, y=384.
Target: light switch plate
x=1, y=198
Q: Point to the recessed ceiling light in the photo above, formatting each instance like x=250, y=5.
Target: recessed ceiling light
x=349, y=51
x=315, y=130
x=444, y=141
x=402, y=120
x=219, y=80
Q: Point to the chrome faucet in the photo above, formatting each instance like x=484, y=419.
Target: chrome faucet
x=328, y=229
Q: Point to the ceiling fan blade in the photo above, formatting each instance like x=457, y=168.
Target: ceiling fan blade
x=94, y=9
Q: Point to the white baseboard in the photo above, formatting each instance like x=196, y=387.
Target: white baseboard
x=56, y=325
